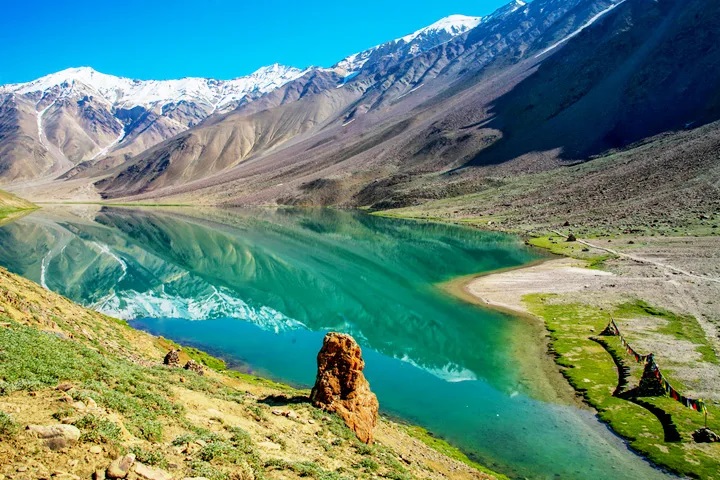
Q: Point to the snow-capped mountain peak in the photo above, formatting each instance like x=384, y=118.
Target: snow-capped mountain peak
x=417, y=42
x=127, y=93
x=452, y=25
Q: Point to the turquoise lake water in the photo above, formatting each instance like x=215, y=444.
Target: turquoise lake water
x=260, y=288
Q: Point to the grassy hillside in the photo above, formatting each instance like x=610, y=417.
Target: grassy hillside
x=61, y=363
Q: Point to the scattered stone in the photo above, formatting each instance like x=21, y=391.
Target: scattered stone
x=56, y=437
x=291, y=415
x=99, y=475
x=571, y=238
x=195, y=478
x=705, y=435
x=201, y=442
x=79, y=405
x=96, y=449
x=92, y=404
x=64, y=397
x=566, y=224
x=277, y=412
x=65, y=386
x=172, y=359
x=311, y=421
x=120, y=467
x=22, y=468
x=194, y=366
x=150, y=473
x=341, y=387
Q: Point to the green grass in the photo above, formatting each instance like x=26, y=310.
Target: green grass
x=591, y=371
x=446, y=449
x=682, y=327
x=98, y=430
x=8, y=427
x=31, y=359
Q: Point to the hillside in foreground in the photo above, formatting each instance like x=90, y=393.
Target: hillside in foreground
x=61, y=364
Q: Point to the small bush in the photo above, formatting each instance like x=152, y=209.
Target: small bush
x=154, y=458
x=98, y=430
x=8, y=427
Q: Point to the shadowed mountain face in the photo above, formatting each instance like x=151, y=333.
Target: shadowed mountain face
x=649, y=67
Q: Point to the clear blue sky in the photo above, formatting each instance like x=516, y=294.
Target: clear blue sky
x=223, y=39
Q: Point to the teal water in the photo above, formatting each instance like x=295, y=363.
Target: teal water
x=260, y=288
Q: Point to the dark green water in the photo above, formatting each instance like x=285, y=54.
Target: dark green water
x=260, y=288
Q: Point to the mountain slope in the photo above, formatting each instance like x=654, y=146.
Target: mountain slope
x=647, y=68
x=387, y=102
x=83, y=115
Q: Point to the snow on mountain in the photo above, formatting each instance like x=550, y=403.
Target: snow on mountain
x=153, y=94
x=452, y=25
x=417, y=42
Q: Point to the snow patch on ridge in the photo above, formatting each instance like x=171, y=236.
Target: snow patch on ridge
x=579, y=30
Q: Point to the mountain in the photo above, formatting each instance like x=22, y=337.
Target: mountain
x=417, y=42
x=81, y=114
x=530, y=88
x=291, y=147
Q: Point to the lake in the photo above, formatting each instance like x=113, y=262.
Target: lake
x=260, y=288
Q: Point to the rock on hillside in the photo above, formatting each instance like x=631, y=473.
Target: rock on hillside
x=341, y=387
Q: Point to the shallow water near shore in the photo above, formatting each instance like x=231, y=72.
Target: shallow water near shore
x=260, y=288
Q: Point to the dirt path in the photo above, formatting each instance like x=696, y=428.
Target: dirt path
x=635, y=258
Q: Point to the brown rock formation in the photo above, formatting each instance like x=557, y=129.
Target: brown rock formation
x=194, y=366
x=341, y=387
x=172, y=359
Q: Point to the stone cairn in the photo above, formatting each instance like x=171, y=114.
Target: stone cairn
x=341, y=387
x=172, y=359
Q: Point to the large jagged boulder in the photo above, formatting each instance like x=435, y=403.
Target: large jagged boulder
x=341, y=387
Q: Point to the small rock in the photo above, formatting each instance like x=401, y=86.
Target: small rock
x=571, y=238
x=65, y=386
x=99, y=475
x=193, y=366
x=149, y=473
x=277, y=412
x=172, y=359
x=22, y=468
x=292, y=415
x=120, y=467
x=64, y=397
x=705, y=435
x=96, y=449
x=56, y=437
x=311, y=421
x=91, y=404
x=79, y=405
x=201, y=442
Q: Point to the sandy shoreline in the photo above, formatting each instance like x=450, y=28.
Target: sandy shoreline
x=502, y=290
